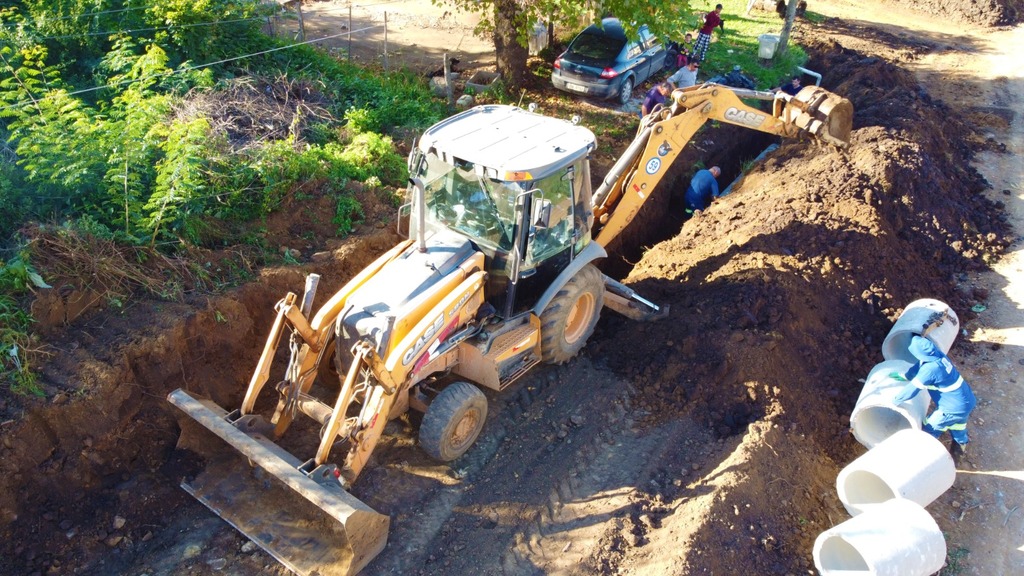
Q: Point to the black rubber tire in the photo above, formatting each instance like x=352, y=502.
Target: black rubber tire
x=625, y=90
x=570, y=318
x=670, y=61
x=453, y=421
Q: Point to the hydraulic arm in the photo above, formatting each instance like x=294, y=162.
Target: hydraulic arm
x=667, y=129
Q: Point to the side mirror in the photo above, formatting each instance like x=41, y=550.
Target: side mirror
x=541, y=213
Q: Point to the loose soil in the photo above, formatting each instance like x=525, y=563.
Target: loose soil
x=707, y=443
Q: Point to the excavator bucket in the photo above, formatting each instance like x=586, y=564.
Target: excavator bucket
x=309, y=524
x=826, y=115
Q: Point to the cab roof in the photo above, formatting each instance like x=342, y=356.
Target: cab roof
x=508, y=140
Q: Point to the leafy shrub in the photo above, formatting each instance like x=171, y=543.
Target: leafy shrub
x=125, y=162
x=347, y=214
x=375, y=155
x=17, y=276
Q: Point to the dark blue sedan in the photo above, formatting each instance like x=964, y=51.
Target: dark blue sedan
x=602, y=63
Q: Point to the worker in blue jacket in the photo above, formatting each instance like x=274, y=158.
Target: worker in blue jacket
x=702, y=190
x=952, y=395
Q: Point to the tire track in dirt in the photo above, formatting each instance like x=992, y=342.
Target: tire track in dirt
x=578, y=491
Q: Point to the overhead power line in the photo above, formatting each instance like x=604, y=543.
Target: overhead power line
x=189, y=68
x=85, y=15
x=173, y=26
x=99, y=13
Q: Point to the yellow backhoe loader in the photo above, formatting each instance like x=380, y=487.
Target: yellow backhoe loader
x=497, y=275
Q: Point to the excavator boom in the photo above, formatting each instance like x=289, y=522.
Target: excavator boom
x=666, y=130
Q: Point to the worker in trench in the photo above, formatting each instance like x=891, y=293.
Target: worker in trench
x=951, y=394
x=703, y=189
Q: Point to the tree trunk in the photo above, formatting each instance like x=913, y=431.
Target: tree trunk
x=511, y=56
x=787, y=27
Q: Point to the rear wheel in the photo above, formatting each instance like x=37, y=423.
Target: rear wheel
x=671, y=57
x=570, y=318
x=625, y=90
x=453, y=421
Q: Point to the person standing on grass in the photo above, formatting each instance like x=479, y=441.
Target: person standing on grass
x=711, y=20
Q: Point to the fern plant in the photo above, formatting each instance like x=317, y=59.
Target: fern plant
x=179, y=178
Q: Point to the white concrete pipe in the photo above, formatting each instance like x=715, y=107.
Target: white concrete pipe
x=875, y=417
x=898, y=538
x=911, y=464
x=916, y=317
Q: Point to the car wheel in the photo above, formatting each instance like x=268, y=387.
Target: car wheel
x=671, y=57
x=625, y=90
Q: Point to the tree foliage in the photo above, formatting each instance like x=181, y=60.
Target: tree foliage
x=510, y=22
x=96, y=130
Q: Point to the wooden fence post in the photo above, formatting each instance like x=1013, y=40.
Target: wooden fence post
x=448, y=82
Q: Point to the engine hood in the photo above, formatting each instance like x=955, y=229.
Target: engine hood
x=405, y=289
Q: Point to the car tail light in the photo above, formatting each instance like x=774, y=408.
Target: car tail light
x=558, y=61
x=608, y=73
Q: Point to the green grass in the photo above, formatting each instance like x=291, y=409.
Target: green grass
x=741, y=37
x=955, y=558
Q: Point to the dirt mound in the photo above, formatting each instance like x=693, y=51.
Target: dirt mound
x=983, y=12
x=781, y=295
x=102, y=446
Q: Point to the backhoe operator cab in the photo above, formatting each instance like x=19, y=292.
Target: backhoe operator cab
x=517, y=186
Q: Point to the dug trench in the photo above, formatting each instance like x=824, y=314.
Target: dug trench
x=707, y=442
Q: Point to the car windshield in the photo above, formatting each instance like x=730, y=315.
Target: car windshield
x=457, y=197
x=597, y=46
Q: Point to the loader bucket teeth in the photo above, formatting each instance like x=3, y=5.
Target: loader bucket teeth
x=256, y=486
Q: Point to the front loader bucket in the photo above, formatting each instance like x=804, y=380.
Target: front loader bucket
x=257, y=487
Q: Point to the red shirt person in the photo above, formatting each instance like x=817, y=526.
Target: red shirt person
x=711, y=20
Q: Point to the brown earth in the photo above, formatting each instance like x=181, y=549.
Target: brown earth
x=706, y=443
x=980, y=13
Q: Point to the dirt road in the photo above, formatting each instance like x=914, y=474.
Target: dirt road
x=411, y=34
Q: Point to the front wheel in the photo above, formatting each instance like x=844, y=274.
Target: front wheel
x=453, y=421
x=626, y=90
x=570, y=318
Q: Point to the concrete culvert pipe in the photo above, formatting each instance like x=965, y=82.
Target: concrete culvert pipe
x=898, y=538
x=915, y=319
x=911, y=464
x=875, y=417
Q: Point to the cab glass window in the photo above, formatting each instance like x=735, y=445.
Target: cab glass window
x=560, y=233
